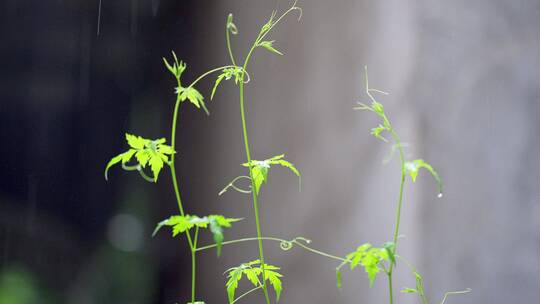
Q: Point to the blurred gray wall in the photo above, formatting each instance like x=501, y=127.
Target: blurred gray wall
x=464, y=84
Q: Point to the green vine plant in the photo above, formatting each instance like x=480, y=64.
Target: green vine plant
x=148, y=157
x=383, y=259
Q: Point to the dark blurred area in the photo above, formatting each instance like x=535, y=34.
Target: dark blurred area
x=465, y=89
x=68, y=95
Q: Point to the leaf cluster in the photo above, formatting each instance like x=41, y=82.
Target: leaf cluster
x=410, y=167
x=177, y=68
x=183, y=223
x=253, y=272
x=370, y=258
x=228, y=73
x=259, y=169
x=378, y=109
x=147, y=152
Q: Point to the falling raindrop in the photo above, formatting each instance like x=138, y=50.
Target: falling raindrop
x=99, y=17
x=155, y=7
x=440, y=195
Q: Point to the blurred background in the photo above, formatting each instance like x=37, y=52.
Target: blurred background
x=464, y=83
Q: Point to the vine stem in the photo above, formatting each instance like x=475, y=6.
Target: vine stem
x=179, y=198
x=248, y=157
x=260, y=36
x=282, y=241
x=246, y=293
x=401, y=186
x=231, y=185
x=321, y=253
x=210, y=72
x=398, y=211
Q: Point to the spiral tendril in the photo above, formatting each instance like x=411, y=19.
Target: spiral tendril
x=288, y=245
x=247, y=74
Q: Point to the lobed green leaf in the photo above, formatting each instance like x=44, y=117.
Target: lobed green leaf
x=412, y=168
x=259, y=169
x=275, y=280
x=253, y=272
x=228, y=73
x=146, y=151
x=376, y=132
x=194, y=96
x=216, y=223
x=218, y=81
x=176, y=68
x=269, y=45
x=136, y=142
x=369, y=258
x=234, y=275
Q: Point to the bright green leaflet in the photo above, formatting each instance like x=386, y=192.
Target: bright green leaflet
x=193, y=96
x=227, y=74
x=259, y=169
x=269, y=45
x=414, y=166
x=370, y=258
x=181, y=224
x=177, y=68
x=147, y=152
x=254, y=273
x=190, y=93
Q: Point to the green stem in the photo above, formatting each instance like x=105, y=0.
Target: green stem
x=248, y=152
x=398, y=209
x=193, y=274
x=208, y=73
x=248, y=157
x=282, y=241
x=177, y=194
x=292, y=8
x=402, y=184
x=195, y=238
x=321, y=253
x=232, y=185
x=390, y=288
x=401, y=187
x=246, y=293
x=194, y=264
